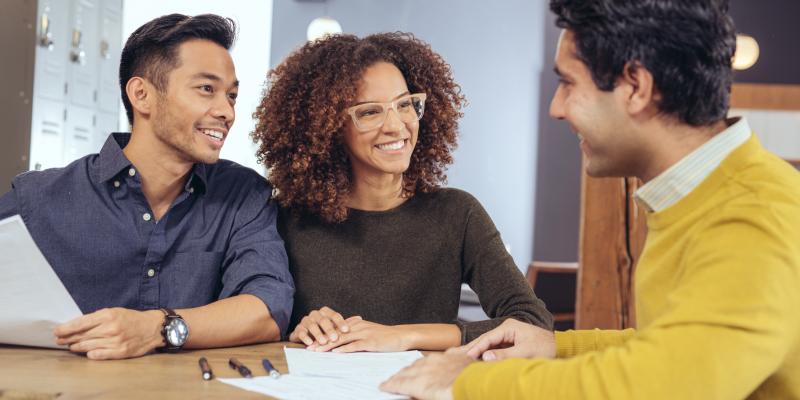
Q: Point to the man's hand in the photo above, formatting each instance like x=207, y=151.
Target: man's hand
x=429, y=378
x=113, y=333
x=320, y=327
x=367, y=336
x=512, y=339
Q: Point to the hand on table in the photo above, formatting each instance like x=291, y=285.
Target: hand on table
x=512, y=339
x=320, y=327
x=367, y=336
x=431, y=377
x=112, y=333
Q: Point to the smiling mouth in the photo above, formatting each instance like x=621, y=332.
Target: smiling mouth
x=213, y=133
x=392, y=146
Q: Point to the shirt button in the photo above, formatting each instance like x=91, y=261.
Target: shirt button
x=116, y=184
x=191, y=190
x=131, y=172
x=146, y=216
x=151, y=272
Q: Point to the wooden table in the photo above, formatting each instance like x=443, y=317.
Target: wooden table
x=28, y=373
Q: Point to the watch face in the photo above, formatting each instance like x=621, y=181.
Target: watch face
x=177, y=332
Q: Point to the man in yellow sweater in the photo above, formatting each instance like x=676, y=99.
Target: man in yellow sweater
x=646, y=85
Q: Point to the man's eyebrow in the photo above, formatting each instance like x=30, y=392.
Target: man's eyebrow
x=212, y=77
x=396, y=97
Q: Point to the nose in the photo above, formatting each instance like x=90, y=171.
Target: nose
x=392, y=124
x=223, y=110
x=557, y=104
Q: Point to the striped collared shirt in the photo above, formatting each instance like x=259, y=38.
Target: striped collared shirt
x=680, y=179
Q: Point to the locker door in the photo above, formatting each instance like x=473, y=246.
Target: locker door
x=52, y=47
x=106, y=123
x=109, y=49
x=47, y=134
x=79, y=139
x=83, y=52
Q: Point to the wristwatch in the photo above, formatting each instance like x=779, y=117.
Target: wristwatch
x=175, y=331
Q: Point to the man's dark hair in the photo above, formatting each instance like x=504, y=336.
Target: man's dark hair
x=152, y=50
x=686, y=44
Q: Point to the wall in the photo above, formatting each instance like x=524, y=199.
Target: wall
x=773, y=23
x=496, y=52
x=558, y=179
x=250, y=56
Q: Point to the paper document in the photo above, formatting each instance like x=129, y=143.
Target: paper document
x=328, y=375
x=33, y=301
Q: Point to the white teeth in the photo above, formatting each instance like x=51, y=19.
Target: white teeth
x=392, y=146
x=215, y=134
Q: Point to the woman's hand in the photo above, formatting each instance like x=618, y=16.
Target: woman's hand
x=321, y=327
x=368, y=336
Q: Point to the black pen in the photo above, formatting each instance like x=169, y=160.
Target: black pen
x=270, y=369
x=243, y=371
x=207, y=374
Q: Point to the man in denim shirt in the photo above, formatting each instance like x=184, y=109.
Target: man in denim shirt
x=155, y=235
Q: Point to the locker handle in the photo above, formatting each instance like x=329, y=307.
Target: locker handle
x=77, y=55
x=45, y=37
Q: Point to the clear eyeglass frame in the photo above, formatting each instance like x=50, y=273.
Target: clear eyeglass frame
x=368, y=116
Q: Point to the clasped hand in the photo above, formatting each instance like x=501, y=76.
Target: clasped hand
x=327, y=330
x=112, y=333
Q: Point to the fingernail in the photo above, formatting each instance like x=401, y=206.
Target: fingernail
x=345, y=329
x=489, y=356
x=334, y=337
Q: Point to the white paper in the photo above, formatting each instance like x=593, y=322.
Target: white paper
x=291, y=387
x=33, y=301
x=364, y=367
x=314, y=375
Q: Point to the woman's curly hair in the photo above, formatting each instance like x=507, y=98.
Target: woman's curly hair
x=301, y=119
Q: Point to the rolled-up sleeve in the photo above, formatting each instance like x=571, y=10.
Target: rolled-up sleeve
x=255, y=261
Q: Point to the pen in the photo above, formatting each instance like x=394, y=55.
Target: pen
x=244, y=371
x=207, y=374
x=270, y=369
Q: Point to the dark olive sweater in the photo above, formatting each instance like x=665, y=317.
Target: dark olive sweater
x=406, y=265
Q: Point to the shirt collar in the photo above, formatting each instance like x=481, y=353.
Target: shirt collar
x=684, y=176
x=112, y=161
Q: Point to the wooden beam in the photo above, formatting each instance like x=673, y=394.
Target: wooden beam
x=765, y=96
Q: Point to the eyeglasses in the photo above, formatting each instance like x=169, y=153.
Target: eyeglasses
x=369, y=116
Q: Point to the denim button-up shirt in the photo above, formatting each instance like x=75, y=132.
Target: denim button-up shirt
x=94, y=226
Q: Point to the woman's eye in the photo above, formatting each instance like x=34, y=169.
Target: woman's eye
x=405, y=104
x=207, y=88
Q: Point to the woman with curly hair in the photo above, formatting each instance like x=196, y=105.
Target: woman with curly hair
x=356, y=134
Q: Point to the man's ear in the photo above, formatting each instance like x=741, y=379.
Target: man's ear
x=141, y=95
x=642, y=93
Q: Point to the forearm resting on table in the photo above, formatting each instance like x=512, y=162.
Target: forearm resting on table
x=431, y=336
x=237, y=320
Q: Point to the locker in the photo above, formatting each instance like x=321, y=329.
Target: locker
x=47, y=136
x=110, y=47
x=84, y=47
x=52, y=49
x=79, y=139
x=72, y=53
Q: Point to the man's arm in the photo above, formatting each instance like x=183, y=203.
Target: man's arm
x=116, y=333
x=732, y=324
x=254, y=304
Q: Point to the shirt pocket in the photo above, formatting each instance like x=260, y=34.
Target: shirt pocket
x=195, y=278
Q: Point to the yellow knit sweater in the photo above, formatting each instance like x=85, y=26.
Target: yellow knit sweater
x=717, y=302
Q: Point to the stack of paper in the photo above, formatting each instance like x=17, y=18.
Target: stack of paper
x=33, y=301
x=315, y=375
